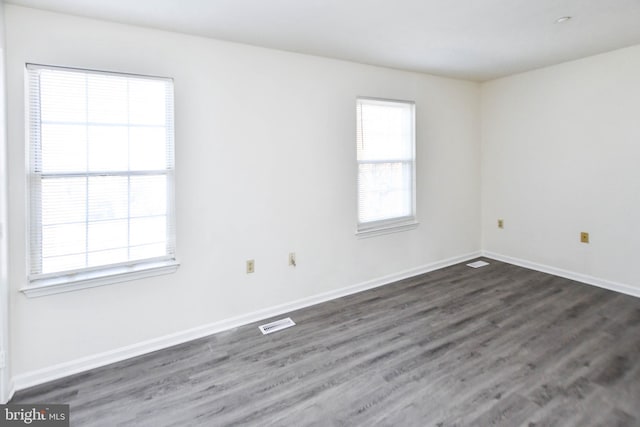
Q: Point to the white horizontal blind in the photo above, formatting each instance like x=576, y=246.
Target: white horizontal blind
x=101, y=170
x=386, y=162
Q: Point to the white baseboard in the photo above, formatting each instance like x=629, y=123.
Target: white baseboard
x=578, y=277
x=41, y=376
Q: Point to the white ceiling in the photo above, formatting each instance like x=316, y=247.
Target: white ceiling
x=470, y=39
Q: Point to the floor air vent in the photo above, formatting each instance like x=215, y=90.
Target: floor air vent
x=478, y=264
x=276, y=326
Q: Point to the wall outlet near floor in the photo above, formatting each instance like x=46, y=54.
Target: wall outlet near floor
x=292, y=259
x=251, y=266
x=501, y=223
x=584, y=237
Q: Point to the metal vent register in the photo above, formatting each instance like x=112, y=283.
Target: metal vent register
x=478, y=264
x=276, y=326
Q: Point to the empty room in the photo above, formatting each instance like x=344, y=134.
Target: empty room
x=327, y=213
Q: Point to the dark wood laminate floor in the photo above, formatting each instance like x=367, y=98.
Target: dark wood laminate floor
x=498, y=345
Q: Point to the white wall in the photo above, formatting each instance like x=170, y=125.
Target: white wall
x=265, y=165
x=561, y=155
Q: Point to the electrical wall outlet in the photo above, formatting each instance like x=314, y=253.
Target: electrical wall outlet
x=292, y=259
x=251, y=266
x=584, y=237
x=501, y=223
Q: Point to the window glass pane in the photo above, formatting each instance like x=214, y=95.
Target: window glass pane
x=62, y=263
x=107, y=235
x=385, y=151
x=107, y=197
x=386, y=132
x=111, y=256
x=64, y=148
x=148, y=251
x=101, y=168
x=63, y=239
x=148, y=230
x=63, y=96
x=148, y=148
x=107, y=99
x=384, y=190
x=148, y=196
x=64, y=200
x=147, y=102
x=108, y=148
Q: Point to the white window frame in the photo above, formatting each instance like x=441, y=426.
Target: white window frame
x=396, y=224
x=40, y=284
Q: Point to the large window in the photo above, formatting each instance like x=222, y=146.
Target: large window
x=386, y=165
x=101, y=176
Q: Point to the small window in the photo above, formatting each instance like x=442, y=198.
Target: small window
x=386, y=165
x=101, y=175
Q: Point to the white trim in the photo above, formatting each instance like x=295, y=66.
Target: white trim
x=11, y=390
x=385, y=101
x=396, y=228
x=578, y=277
x=40, y=376
x=6, y=385
x=91, y=279
x=34, y=66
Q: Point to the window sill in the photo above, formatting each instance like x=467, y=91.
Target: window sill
x=386, y=229
x=107, y=276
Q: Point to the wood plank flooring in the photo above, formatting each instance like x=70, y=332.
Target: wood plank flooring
x=494, y=346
